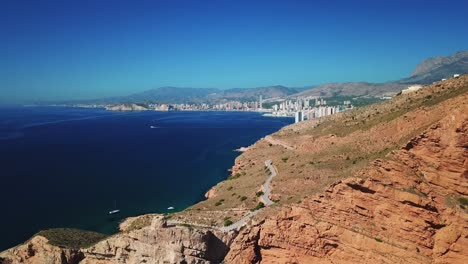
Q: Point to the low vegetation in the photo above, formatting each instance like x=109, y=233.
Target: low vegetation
x=227, y=221
x=220, y=202
x=463, y=202
x=414, y=191
x=71, y=238
x=234, y=176
x=141, y=222
x=259, y=206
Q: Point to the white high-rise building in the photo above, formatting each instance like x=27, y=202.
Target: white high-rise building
x=298, y=117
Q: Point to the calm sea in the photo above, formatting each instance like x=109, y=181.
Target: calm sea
x=67, y=167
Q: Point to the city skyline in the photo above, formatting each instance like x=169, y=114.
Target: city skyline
x=85, y=50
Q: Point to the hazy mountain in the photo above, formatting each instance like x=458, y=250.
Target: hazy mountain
x=170, y=94
x=352, y=89
x=428, y=71
x=251, y=94
x=440, y=61
x=437, y=68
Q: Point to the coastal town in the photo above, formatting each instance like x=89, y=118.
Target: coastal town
x=300, y=108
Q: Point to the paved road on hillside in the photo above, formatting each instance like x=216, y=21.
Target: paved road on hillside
x=266, y=186
x=265, y=198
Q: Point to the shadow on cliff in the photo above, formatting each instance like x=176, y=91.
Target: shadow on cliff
x=217, y=249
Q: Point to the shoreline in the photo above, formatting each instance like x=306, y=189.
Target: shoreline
x=112, y=228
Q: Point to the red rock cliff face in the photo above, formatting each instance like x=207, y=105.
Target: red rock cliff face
x=408, y=208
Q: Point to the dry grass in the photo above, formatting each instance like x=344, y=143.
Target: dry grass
x=338, y=147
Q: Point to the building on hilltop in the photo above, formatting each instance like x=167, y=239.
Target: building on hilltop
x=412, y=88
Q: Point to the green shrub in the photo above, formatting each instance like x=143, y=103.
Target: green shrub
x=258, y=194
x=243, y=198
x=235, y=176
x=463, y=201
x=260, y=205
x=227, y=221
x=220, y=202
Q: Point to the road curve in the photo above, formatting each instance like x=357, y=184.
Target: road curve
x=265, y=199
x=266, y=186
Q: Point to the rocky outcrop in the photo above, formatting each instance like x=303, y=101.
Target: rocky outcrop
x=156, y=243
x=211, y=193
x=404, y=209
x=159, y=243
x=38, y=250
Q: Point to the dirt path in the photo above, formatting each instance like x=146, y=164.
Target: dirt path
x=275, y=141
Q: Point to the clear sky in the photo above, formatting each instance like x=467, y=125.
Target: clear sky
x=96, y=48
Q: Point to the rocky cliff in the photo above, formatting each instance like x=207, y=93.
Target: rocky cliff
x=137, y=243
x=404, y=209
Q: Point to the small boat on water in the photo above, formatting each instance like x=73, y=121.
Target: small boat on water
x=115, y=210
x=153, y=127
x=170, y=208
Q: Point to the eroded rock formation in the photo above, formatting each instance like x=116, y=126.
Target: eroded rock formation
x=404, y=209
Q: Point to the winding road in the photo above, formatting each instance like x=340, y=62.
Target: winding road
x=265, y=199
x=266, y=186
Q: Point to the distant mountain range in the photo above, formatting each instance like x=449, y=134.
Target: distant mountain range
x=429, y=71
x=169, y=94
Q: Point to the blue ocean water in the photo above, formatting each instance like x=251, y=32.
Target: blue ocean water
x=67, y=167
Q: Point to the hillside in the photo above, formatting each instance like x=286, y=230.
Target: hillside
x=386, y=183
x=355, y=89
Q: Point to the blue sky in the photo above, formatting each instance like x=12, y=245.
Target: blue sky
x=97, y=48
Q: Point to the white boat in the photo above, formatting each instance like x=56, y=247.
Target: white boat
x=153, y=127
x=116, y=210
x=170, y=208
